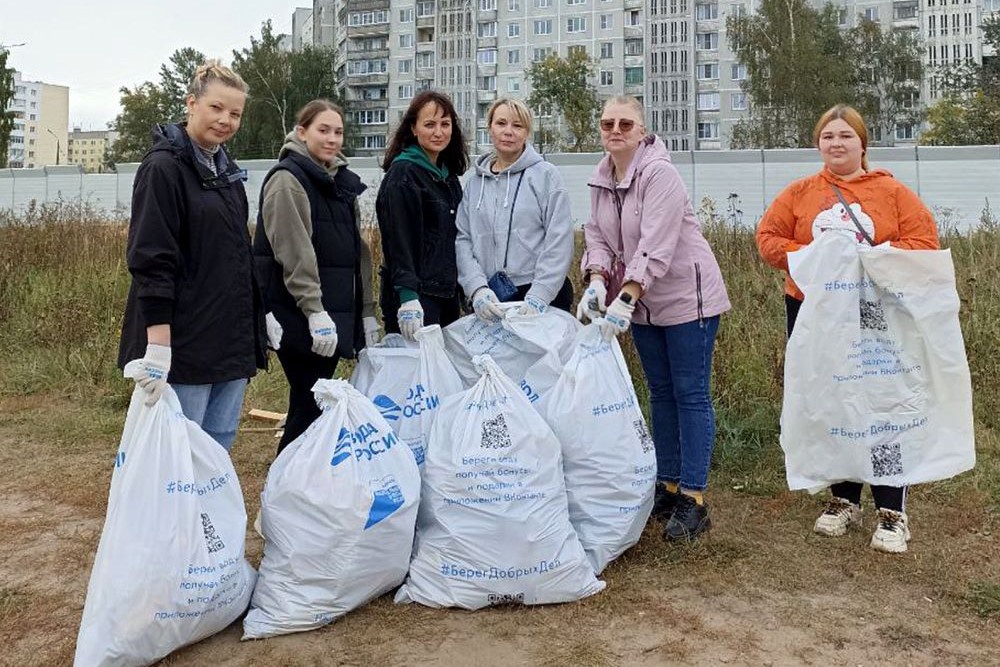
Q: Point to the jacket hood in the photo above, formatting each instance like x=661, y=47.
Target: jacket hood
x=651, y=149
x=868, y=176
x=294, y=145
x=527, y=158
x=415, y=154
x=174, y=138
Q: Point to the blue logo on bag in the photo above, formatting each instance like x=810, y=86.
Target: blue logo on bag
x=389, y=409
x=387, y=497
x=342, y=451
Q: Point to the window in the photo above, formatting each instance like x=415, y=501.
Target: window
x=633, y=47
x=425, y=8
x=406, y=91
x=368, y=18
x=543, y=4
x=543, y=27
x=904, y=132
x=841, y=16
x=607, y=78
x=406, y=41
x=706, y=12
x=573, y=3
x=487, y=5
x=540, y=54
x=738, y=10
x=577, y=48
x=607, y=50
x=633, y=18
x=483, y=137
x=513, y=56
x=373, y=141
x=708, y=101
x=607, y=22
x=707, y=41
x=738, y=72
x=576, y=24
x=405, y=66
x=425, y=59
x=362, y=67
x=406, y=15
x=739, y=101
x=633, y=76
x=514, y=5
x=370, y=117
x=708, y=71
x=871, y=13
x=708, y=130
x=487, y=29
x=486, y=56
x=513, y=85
x=487, y=83
x=513, y=29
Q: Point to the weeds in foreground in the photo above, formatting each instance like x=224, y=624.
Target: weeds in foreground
x=984, y=596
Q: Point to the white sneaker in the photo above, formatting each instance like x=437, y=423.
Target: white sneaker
x=892, y=533
x=837, y=517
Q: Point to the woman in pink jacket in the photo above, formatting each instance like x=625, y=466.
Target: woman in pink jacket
x=646, y=254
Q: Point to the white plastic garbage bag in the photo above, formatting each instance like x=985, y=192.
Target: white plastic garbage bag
x=407, y=382
x=493, y=526
x=337, y=514
x=877, y=386
x=529, y=349
x=608, y=457
x=169, y=569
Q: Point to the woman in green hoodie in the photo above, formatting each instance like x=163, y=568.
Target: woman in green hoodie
x=313, y=266
x=416, y=206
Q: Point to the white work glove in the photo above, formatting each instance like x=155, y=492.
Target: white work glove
x=592, y=302
x=410, y=318
x=373, y=332
x=532, y=306
x=618, y=317
x=152, y=375
x=486, y=305
x=274, y=331
x=324, y=334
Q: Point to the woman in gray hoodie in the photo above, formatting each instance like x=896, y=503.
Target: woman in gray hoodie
x=515, y=233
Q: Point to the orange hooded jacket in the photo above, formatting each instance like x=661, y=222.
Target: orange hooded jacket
x=897, y=213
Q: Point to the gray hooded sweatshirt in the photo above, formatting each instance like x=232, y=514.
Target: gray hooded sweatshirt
x=288, y=223
x=539, y=219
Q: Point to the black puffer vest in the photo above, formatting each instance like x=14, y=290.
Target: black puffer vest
x=337, y=244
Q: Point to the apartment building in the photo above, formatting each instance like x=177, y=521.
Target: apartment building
x=302, y=27
x=87, y=148
x=41, y=124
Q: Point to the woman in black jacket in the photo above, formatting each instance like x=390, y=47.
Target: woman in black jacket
x=193, y=314
x=416, y=206
x=313, y=265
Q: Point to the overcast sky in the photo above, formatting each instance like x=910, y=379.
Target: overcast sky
x=97, y=46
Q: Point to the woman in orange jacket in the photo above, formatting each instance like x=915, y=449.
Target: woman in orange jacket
x=888, y=211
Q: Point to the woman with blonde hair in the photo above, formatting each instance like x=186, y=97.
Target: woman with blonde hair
x=880, y=210
x=515, y=228
x=194, y=315
x=646, y=254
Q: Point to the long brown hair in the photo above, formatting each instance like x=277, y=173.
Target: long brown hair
x=454, y=156
x=308, y=113
x=849, y=115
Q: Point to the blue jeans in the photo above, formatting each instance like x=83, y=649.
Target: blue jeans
x=677, y=361
x=215, y=407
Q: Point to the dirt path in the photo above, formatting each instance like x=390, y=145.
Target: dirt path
x=761, y=590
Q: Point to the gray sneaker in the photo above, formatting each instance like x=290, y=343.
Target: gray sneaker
x=892, y=532
x=838, y=515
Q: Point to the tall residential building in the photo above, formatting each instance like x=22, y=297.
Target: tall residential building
x=41, y=124
x=324, y=21
x=302, y=27
x=88, y=147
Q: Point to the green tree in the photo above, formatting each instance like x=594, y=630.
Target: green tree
x=889, y=67
x=798, y=66
x=6, y=95
x=149, y=103
x=560, y=85
x=281, y=82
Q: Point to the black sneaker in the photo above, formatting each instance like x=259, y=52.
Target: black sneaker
x=688, y=521
x=664, y=502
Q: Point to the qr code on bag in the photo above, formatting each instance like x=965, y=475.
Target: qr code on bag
x=873, y=316
x=887, y=459
x=644, y=438
x=495, y=434
x=213, y=541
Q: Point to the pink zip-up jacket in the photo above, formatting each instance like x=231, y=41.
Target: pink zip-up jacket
x=646, y=224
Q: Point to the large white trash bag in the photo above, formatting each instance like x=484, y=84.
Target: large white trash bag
x=493, y=525
x=608, y=456
x=337, y=515
x=530, y=349
x=406, y=383
x=877, y=385
x=169, y=569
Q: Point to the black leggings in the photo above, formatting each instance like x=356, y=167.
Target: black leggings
x=302, y=370
x=885, y=497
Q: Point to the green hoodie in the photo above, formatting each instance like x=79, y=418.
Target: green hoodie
x=415, y=154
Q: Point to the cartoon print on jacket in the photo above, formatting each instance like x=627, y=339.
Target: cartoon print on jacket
x=836, y=218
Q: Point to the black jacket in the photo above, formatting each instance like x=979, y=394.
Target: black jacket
x=416, y=216
x=191, y=265
x=337, y=245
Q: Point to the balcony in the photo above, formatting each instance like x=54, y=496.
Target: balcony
x=485, y=96
x=633, y=4
x=634, y=32
x=426, y=21
x=365, y=105
x=366, y=54
x=425, y=47
x=486, y=70
x=372, y=79
x=634, y=61
x=634, y=89
x=376, y=30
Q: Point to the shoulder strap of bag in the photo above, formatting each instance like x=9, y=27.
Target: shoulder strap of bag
x=857, y=224
x=510, y=221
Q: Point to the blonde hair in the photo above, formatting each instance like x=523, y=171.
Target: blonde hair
x=520, y=109
x=849, y=115
x=214, y=70
x=630, y=101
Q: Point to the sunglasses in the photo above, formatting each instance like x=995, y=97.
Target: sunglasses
x=624, y=124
